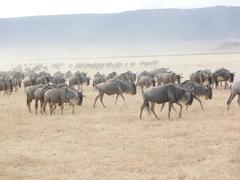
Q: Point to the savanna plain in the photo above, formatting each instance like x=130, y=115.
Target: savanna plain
x=113, y=143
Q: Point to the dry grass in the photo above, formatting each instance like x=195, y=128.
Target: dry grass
x=113, y=143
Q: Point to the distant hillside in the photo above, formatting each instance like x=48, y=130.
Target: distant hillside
x=143, y=26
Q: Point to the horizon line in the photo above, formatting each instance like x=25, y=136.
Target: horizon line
x=120, y=12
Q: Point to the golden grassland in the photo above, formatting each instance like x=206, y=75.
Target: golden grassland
x=113, y=143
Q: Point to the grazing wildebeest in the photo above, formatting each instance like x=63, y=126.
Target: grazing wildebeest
x=30, y=94
x=168, y=77
x=39, y=96
x=62, y=95
x=200, y=77
x=115, y=86
x=198, y=90
x=167, y=93
x=235, y=90
x=146, y=81
x=221, y=75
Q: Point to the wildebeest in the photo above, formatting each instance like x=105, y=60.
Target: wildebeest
x=16, y=84
x=68, y=75
x=62, y=95
x=30, y=94
x=157, y=72
x=223, y=75
x=6, y=86
x=167, y=93
x=79, y=79
x=146, y=81
x=59, y=79
x=115, y=86
x=127, y=76
x=198, y=90
x=200, y=77
x=235, y=90
x=29, y=81
x=168, y=77
x=143, y=73
x=111, y=75
x=39, y=96
x=98, y=80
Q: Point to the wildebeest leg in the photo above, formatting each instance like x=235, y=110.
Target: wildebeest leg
x=153, y=110
x=142, y=89
x=173, y=108
x=116, y=99
x=169, y=109
x=96, y=98
x=51, y=107
x=162, y=107
x=238, y=99
x=29, y=105
x=231, y=97
x=225, y=85
x=36, y=106
x=62, y=105
x=123, y=99
x=200, y=102
x=101, y=99
x=44, y=107
x=180, y=112
x=145, y=104
x=73, y=109
x=41, y=107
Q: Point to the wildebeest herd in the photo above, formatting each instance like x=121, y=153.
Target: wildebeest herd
x=159, y=86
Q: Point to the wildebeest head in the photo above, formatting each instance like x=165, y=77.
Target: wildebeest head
x=80, y=95
x=134, y=89
x=231, y=77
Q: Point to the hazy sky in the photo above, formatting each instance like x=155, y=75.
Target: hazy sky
x=15, y=8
